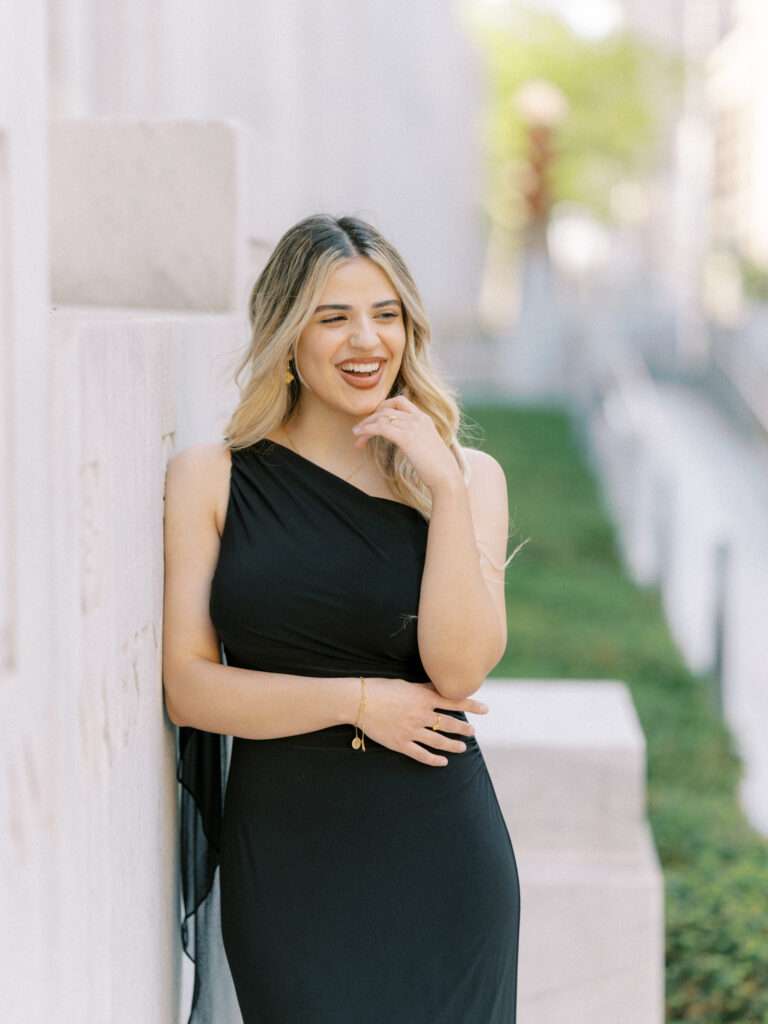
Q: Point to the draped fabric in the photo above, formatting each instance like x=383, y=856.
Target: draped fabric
x=202, y=760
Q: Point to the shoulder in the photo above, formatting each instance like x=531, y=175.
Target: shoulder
x=487, y=486
x=199, y=458
x=200, y=474
x=483, y=467
x=478, y=457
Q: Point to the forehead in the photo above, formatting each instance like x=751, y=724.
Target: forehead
x=360, y=281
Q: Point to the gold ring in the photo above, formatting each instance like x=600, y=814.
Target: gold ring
x=437, y=719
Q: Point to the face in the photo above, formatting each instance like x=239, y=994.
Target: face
x=358, y=322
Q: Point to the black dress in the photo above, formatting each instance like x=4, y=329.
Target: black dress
x=357, y=887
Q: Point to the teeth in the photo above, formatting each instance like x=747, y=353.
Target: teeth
x=361, y=367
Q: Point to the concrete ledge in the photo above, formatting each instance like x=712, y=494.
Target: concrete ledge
x=569, y=758
x=567, y=761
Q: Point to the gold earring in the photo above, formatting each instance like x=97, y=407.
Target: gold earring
x=288, y=377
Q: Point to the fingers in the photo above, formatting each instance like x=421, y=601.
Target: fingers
x=418, y=753
x=475, y=706
x=434, y=738
x=450, y=724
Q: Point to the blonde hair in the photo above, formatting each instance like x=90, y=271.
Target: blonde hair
x=280, y=306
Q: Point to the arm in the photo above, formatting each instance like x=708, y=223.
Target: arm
x=257, y=705
x=199, y=690
x=462, y=623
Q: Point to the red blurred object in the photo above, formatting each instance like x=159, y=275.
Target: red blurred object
x=535, y=186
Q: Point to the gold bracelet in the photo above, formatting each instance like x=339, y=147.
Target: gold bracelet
x=357, y=742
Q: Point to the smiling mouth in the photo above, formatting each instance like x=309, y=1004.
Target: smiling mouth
x=362, y=375
x=362, y=369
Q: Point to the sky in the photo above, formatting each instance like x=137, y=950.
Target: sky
x=590, y=18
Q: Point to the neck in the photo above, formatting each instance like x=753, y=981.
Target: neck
x=325, y=434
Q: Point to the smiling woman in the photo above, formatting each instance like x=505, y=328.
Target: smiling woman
x=356, y=882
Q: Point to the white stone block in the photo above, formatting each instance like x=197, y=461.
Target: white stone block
x=127, y=389
x=147, y=214
x=567, y=761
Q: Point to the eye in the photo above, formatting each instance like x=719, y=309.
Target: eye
x=333, y=319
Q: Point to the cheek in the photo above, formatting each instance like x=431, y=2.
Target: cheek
x=317, y=354
x=394, y=339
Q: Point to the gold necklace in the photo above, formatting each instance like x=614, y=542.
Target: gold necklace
x=364, y=460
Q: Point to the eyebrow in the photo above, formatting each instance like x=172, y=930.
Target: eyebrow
x=375, y=305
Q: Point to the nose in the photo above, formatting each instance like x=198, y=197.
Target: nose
x=365, y=335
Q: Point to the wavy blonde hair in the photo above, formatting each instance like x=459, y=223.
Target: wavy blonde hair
x=280, y=306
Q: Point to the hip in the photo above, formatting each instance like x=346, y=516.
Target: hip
x=319, y=775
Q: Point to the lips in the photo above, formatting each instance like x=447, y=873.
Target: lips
x=362, y=380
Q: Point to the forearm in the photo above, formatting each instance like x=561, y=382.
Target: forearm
x=257, y=705
x=458, y=631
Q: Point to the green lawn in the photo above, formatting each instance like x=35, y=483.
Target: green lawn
x=573, y=612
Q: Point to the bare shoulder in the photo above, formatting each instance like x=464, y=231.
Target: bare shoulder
x=487, y=489
x=199, y=457
x=199, y=474
x=484, y=468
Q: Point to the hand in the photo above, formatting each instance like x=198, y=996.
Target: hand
x=399, y=715
x=400, y=421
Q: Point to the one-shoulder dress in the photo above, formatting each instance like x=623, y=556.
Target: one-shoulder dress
x=356, y=887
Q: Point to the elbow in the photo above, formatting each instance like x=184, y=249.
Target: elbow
x=171, y=706
x=181, y=684
x=172, y=713
x=456, y=681
x=454, y=687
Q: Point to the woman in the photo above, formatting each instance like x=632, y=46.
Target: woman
x=344, y=556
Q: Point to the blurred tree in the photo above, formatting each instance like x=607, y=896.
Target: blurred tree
x=619, y=91
x=754, y=278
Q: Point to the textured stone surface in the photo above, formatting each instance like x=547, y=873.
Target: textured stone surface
x=147, y=214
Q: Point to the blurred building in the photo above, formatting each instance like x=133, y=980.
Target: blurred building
x=710, y=198
x=677, y=237
x=659, y=21
x=738, y=98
